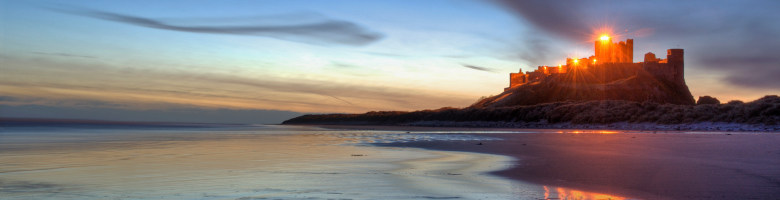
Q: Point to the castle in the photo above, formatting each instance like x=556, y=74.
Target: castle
x=612, y=62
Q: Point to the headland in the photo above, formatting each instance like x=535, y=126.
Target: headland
x=605, y=91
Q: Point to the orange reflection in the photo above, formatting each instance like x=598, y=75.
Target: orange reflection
x=591, y=132
x=569, y=194
x=546, y=192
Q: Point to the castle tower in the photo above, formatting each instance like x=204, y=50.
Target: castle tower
x=608, y=52
x=621, y=52
x=603, y=50
x=630, y=50
x=516, y=79
x=676, y=63
x=650, y=57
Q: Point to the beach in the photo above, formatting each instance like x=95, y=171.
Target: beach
x=243, y=162
x=391, y=162
x=639, y=164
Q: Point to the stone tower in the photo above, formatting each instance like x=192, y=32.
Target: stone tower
x=676, y=63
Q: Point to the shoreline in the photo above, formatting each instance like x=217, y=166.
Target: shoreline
x=547, y=127
x=637, y=164
x=701, y=126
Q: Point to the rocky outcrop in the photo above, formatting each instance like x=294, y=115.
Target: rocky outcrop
x=707, y=100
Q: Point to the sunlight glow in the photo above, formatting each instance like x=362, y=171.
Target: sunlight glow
x=604, y=37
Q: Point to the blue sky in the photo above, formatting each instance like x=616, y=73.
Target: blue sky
x=120, y=57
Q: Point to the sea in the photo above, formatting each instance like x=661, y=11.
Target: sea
x=84, y=160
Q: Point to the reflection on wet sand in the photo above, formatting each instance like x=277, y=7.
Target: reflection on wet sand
x=589, y=132
x=179, y=166
x=570, y=194
x=246, y=164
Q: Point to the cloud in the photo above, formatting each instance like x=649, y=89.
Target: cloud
x=63, y=54
x=345, y=101
x=43, y=81
x=532, y=48
x=479, y=68
x=557, y=17
x=392, y=55
x=759, y=70
x=193, y=115
x=315, y=29
x=733, y=38
x=13, y=186
x=343, y=65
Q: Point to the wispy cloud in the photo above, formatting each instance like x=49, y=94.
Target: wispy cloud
x=343, y=65
x=43, y=81
x=345, y=101
x=202, y=115
x=393, y=55
x=315, y=29
x=558, y=17
x=479, y=68
x=62, y=54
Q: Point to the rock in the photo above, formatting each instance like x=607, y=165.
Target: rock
x=707, y=100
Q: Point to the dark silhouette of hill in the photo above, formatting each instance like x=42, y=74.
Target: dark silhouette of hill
x=764, y=111
x=608, y=82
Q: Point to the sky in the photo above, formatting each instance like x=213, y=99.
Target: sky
x=268, y=61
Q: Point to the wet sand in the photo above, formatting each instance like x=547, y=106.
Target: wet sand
x=362, y=162
x=268, y=162
x=646, y=165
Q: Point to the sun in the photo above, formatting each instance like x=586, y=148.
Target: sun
x=604, y=37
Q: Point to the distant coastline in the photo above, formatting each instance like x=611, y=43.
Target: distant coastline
x=6, y=122
x=760, y=115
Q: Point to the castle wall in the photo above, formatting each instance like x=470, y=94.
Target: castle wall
x=609, y=72
x=612, y=62
x=672, y=70
x=630, y=50
x=516, y=79
x=620, y=53
x=536, y=76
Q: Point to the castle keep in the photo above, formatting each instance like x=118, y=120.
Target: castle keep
x=612, y=62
